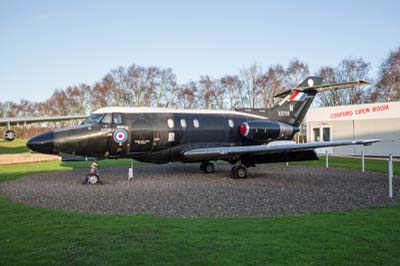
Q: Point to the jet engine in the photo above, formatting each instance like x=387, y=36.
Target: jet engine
x=9, y=135
x=262, y=131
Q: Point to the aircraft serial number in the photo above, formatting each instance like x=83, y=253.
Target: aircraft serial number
x=284, y=113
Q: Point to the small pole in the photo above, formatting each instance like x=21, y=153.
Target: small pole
x=390, y=166
x=362, y=162
x=287, y=163
x=326, y=159
x=130, y=172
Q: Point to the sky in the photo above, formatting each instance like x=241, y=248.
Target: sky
x=48, y=45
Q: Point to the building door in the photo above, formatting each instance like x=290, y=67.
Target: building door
x=322, y=134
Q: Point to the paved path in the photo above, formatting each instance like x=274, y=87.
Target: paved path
x=7, y=159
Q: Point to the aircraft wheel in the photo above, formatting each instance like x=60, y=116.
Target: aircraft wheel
x=233, y=170
x=202, y=165
x=208, y=168
x=239, y=172
x=9, y=135
x=93, y=179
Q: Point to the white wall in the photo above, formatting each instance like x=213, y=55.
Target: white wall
x=381, y=121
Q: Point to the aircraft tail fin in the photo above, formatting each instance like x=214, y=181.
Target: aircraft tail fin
x=296, y=102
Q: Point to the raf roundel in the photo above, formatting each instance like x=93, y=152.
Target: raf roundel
x=120, y=136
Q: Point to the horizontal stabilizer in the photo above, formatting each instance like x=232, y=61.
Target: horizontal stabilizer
x=324, y=87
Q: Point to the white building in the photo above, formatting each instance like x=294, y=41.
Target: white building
x=365, y=121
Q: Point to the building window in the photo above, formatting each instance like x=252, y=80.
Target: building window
x=183, y=123
x=196, y=123
x=316, y=132
x=230, y=122
x=326, y=134
x=170, y=123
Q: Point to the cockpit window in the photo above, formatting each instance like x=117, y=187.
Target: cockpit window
x=93, y=118
x=106, y=119
x=117, y=119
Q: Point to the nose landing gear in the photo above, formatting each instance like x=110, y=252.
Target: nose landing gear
x=92, y=177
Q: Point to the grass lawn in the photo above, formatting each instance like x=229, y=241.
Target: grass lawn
x=354, y=163
x=12, y=147
x=38, y=236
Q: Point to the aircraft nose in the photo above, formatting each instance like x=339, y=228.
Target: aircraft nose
x=43, y=143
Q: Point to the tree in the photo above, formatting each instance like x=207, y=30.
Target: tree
x=187, y=95
x=349, y=69
x=296, y=73
x=388, y=83
x=331, y=97
x=248, y=79
x=206, y=90
x=272, y=82
x=164, y=94
x=353, y=69
x=233, y=89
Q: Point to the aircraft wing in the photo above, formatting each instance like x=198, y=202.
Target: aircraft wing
x=273, y=147
x=24, y=120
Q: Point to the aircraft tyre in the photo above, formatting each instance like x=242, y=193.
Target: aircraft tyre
x=92, y=179
x=207, y=167
x=9, y=135
x=239, y=172
x=202, y=166
x=233, y=170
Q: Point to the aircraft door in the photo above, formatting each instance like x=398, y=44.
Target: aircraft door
x=142, y=135
x=118, y=136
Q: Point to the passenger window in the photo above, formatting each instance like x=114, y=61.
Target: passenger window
x=196, y=123
x=170, y=123
x=230, y=122
x=117, y=118
x=106, y=119
x=183, y=123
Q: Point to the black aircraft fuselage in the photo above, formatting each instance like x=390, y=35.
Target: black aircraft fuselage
x=161, y=135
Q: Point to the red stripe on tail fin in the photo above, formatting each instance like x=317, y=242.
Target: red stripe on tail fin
x=294, y=94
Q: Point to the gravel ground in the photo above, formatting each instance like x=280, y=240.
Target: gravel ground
x=182, y=190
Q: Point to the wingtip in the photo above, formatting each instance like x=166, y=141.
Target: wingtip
x=369, y=142
x=363, y=82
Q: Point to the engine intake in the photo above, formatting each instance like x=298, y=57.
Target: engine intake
x=262, y=131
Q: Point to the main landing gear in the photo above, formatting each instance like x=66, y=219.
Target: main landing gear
x=92, y=177
x=207, y=167
x=238, y=171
